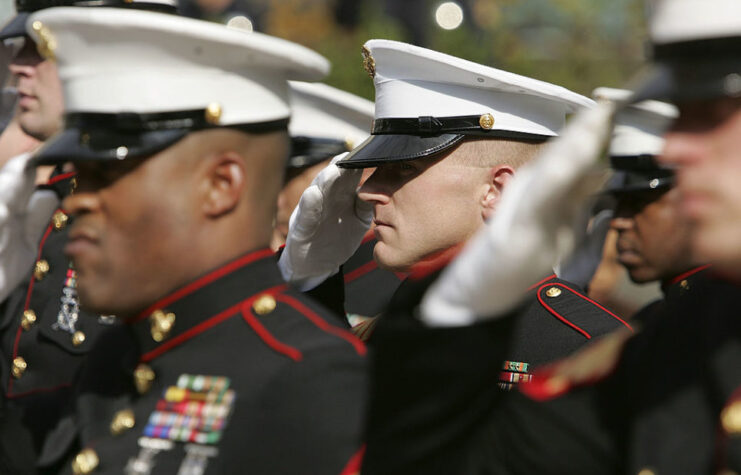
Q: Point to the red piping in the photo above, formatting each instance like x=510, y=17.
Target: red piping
x=203, y=281
x=39, y=390
x=28, y=302
x=205, y=325
x=353, y=466
x=360, y=271
x=61, y=177
x=567, y=322
x=694, y=271
x=552, y=276
x=323, y=325
x=267, y=337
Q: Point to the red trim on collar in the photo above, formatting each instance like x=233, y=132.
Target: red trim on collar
x=29, y=292
x=323, y=324
x=435, y=262
x=61, y=177
x=203, y=281
x=356, y=461
x=369, y=236
x=360, y=271
x=552, y=276
x=691, y=272
x=567, y=322
x=205, y=325
x=277, y=346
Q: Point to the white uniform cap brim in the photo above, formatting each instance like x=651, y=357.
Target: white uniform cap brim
x=639, y=128
x=411, y=82
x=322, y=111
x=118, y=60
x=686, y=20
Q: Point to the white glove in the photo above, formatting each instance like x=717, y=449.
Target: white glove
x=530, y=230
x=24, y=214
x=326, y=227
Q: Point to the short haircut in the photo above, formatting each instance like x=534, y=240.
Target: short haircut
x=487, y=153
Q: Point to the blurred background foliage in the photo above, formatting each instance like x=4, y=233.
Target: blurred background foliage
x=579, y=44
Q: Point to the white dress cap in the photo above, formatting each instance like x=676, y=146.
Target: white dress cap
x=322, y=111
x=128, y=61
x=675, y=21
x=639, y=128
x=411, y=82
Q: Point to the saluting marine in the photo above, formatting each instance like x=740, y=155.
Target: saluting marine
x=217, y=366
x=326, y=122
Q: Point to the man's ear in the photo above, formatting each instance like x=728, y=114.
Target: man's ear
x=497, y=179
x=223, y=183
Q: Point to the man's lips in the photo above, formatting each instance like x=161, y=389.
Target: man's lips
x=79, y=240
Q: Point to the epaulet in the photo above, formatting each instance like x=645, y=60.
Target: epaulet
x=567, y=303
x=589, y=365
x=263, y=304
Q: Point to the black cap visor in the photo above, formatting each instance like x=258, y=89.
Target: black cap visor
x=623, y=182
x=15, y=28
x=383, y=149
x=692, y=70
x=73, y=145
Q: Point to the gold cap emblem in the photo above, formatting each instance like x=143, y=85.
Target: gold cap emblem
x=19, y=367
x=369, y=64
x=264, y=305
x=162, y=324
x=486, y=121
x=28, y=319
x=731, y=418
x=46, y=44
x=553, y=292
x=143, y=378
x=85, y=462
x=40, y=269
x=59, y=220
x=213, y=113
x=78, y=338
x=122, y=421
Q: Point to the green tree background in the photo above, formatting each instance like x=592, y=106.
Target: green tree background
x=579, y=44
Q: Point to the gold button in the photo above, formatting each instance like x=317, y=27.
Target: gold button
x=731, y=418
x=85, y=462
x=486, y=121
x=646, y=471
x=553, y=292
x=19, y=367
x=161, y=324
x=59, y=220
x=264, y=305
x=684, y=285
x=40, y=269
x=122, y=421
x=28, y=319
x=143, y=378
x=213, y=113
x=78, y=338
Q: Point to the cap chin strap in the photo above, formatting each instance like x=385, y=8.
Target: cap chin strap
x=429, y=126
x=131, y=122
